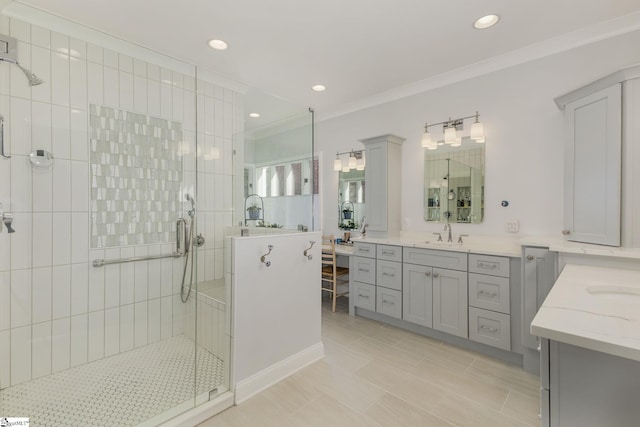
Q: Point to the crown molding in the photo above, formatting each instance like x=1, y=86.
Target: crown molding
x=585, y=36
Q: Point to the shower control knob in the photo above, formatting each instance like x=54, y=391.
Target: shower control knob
x=199, y=241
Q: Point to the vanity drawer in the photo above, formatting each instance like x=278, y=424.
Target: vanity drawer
x=390, y=253
x=367, y=250
x=489, y=292
x=389, y=274
x=364, y=295
x=389, y=302
x=436, y=258
x=487, y=264
x=364, y=270
x=490, y=328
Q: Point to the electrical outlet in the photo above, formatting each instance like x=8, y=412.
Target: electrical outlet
x=512, y=226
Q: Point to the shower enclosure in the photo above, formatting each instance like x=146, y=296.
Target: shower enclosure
x=104, y=319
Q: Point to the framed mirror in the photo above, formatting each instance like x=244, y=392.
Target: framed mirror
x=454, y=183
x=351, y=201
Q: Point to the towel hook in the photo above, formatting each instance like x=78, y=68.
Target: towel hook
x=306, y=251
x=263, y=258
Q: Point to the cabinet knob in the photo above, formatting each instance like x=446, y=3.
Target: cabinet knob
x=566, y=232
x=530, y=257
x=428, y=273
x=435, y=274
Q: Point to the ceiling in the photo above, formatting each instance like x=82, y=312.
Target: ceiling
x=357, y=48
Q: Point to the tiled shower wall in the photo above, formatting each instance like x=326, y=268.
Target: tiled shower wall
x=56, y=310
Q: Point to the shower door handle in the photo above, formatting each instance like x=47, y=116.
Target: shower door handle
x=2, y=153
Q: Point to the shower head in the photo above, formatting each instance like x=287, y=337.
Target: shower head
x=9, y=53
x=189, y=198
x=33, y=79
x=192, y=211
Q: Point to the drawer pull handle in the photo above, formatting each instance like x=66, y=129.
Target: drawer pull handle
x=389, y=275
x=428, y=273
x=385, y=301
x=489, y=328
x=530, y=257
x=490, y=294
x=362, y=269
x=488, y=265
x=435, y=275
x=363, y=296
x=388, y=252
x=363, y=249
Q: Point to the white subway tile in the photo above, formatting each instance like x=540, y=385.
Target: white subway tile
x=61, y=344
x=140, y=94
x=166, y=100
x=96, y=335
x=210, y=265
x=42, y=189
x=79, y=289
x=155, y=279
x=95, y=83
x=228, y=192
x=61, y=291
x=210, y=90
x=42, y=295
x=5, y=79
x=21, y=241
x=40, y=36
x=20, y=30
x=154, y=328
x=112, y=285
x=178, y=80
x=110, y=58
x=228, y=120
x=79, y=237
x=139, y=68
x=60, y=79
x=126, y=91
x=79, y=186
x=200, y=267
x=42, y=238
x=178, y=316
x=60, y=133
x=20, y=87
x=141, y=322
x=153, y=72
x=126, y=63
x=111, y=331
x=5, y=295
x=79, y=340
x=166, y=76
x=200, y=113
x=20, y=355
x=189, y=111
x=189, y=83
x=61, y=240
x=209, y=115
x=166, y=313
x=5, y=358
x=166, y=278
x=20, y=127
x=61, y=177
x=153, y=101
x=127, y=278
x=41, y=66
x=41, y=346
x=178, y=104
x=219, y=118
x=5, y=248
x=96, y=288
x=111, y=87
x=41, y=126
x=219, y=93
x=94, y=53
x=126, y=327
x=141, y=275
x=79, y=135
x=77, y=48
x=227, y=156
x=78, y=90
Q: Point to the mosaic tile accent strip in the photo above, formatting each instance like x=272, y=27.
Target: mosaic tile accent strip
x=123, y=390
x=136, y=176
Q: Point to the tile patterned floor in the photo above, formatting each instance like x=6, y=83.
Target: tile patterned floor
x=125, y=389
x=377, y=375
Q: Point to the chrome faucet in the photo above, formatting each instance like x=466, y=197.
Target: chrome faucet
x=447, y=227
x=363, y=227
x=7, y=219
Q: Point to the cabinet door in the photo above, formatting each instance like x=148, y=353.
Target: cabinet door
x=539, y=275
x=593, y=167
x=417, y=298
x=376, y=189
x=450, y=302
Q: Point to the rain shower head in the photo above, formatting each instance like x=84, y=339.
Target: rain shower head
x=9, y=53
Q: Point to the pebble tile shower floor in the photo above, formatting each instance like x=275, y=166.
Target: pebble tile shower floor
x=124, y=390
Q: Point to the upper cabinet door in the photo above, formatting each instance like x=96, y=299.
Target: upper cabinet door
x=593, y=167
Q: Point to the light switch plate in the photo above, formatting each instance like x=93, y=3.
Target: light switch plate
x=512, y=226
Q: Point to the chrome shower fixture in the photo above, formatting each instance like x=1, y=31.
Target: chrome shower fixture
x=192, y=211
x=9, y=53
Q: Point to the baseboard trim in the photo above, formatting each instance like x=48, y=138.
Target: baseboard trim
x=277, y=372
x=202, y=412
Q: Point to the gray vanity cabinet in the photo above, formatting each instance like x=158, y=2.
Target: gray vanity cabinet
x=417, y=294
x=450, y=302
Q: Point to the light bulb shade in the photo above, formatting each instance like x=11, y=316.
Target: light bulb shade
x=433, y=146
x=457, y=143
x=352, y=162
x=345, y=169
x=480, y=140
x=450, y=135
x=360, y=164
x=477, y=131
x=337, y=165
x=426, y=140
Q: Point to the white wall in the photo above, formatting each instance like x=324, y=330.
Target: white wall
x=524, y=133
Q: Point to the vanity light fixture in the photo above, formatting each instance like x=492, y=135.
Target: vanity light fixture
x=355, y=161
x=452, y=130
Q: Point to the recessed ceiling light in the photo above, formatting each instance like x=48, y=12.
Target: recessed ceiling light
x=486, y=22
x=319, y=88
x=254, y=115
x=218, y=44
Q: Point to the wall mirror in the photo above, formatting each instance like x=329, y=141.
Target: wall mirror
x=350, y=199
x=454, y=183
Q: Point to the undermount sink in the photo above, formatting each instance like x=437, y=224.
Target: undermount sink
x=617, y=293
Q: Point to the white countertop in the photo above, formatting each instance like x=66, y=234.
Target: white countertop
x=593, y=307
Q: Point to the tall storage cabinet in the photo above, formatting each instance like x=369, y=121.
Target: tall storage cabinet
x=383, y=181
